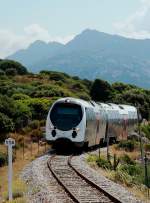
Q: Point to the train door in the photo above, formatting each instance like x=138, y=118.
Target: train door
x=125, y=129
x=97, y=137
x=90, y=127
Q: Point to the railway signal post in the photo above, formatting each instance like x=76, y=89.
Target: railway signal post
x=10, y=143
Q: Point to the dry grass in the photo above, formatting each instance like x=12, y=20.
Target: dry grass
x=30, y=78
x=18, y=200
x=139, y=191
x=18, y=165
x=133, y=155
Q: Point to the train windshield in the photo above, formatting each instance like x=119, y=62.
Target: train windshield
x=66, y=116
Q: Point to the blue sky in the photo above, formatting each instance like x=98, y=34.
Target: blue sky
x=63, y=17
x=22, y=22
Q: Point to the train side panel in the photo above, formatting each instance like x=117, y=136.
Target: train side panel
x=98, y=122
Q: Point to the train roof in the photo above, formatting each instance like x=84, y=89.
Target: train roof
x=128, y=107
x=76, y=100
x=122, y=108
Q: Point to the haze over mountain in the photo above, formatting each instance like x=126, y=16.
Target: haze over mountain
x=36, y=52
x=92, y=54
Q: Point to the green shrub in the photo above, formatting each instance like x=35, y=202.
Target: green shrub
x=49, y=90
x=128, y=145
x=59, y=83
x=2, y=73
x=36, y=134
x=3, y=159
x=132, y=170
x=20, y=96
x=115, y=162
x=22, y=115
x=26, y=130
x=146, y=130
x=75, y=78
x=83, y=96
x=39, y=108
x=77, y=86
x=121, y=177
x=7, y=106
x=11, y=72
x=57, y=76
x=42, y=123
x=6, y=125
x=17, y=194
x=34, y=124
x=92, y=158
x=6, y=65
x=103, y=163
x=127, y=160
x=18, y=190
x=147, y=147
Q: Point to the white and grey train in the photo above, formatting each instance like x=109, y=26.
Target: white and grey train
x=86, y=123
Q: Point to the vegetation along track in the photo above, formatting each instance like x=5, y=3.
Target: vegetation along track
x=76, y=185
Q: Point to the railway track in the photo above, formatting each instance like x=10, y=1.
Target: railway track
x=78, y=187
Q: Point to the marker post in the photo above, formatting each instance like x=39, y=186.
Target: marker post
x=10, y=143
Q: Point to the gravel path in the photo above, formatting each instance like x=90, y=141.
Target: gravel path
x=44, y=188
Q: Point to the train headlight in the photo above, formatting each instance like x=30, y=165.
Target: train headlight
x=74, y=134
x=77, y=129
x=53, y=133
x=51, y=127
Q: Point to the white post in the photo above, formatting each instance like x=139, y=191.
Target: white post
x=10, y=172
x=10, y=142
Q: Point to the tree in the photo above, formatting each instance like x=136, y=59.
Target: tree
x=12, y=66
x=6, y=125
x=7, y=106
x=22, y=115
x=17, y=111
x=11, y=71
x=120, y=87
x=2, y=72
x=135, y=97
x=39, y=107
x=101, y=90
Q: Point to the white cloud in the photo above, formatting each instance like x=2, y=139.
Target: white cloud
x=11, y=42
x=136, y=25
x=35, y=31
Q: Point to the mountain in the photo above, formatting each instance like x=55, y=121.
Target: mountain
x=93, y=54
x=36, y=52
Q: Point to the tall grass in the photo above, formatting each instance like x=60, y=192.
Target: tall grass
x=18, y=190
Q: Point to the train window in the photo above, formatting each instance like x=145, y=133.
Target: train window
x=66, y=116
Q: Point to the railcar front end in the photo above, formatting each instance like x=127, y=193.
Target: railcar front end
x=66, y=123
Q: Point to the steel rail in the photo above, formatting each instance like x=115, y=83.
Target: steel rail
x=90, y=182
x=59, y=180
x=87, y=180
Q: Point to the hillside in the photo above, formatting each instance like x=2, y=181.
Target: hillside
x=25, y=97
x=93, y=54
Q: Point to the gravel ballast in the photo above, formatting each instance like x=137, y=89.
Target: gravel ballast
x=42, y=186
x=109, y=186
